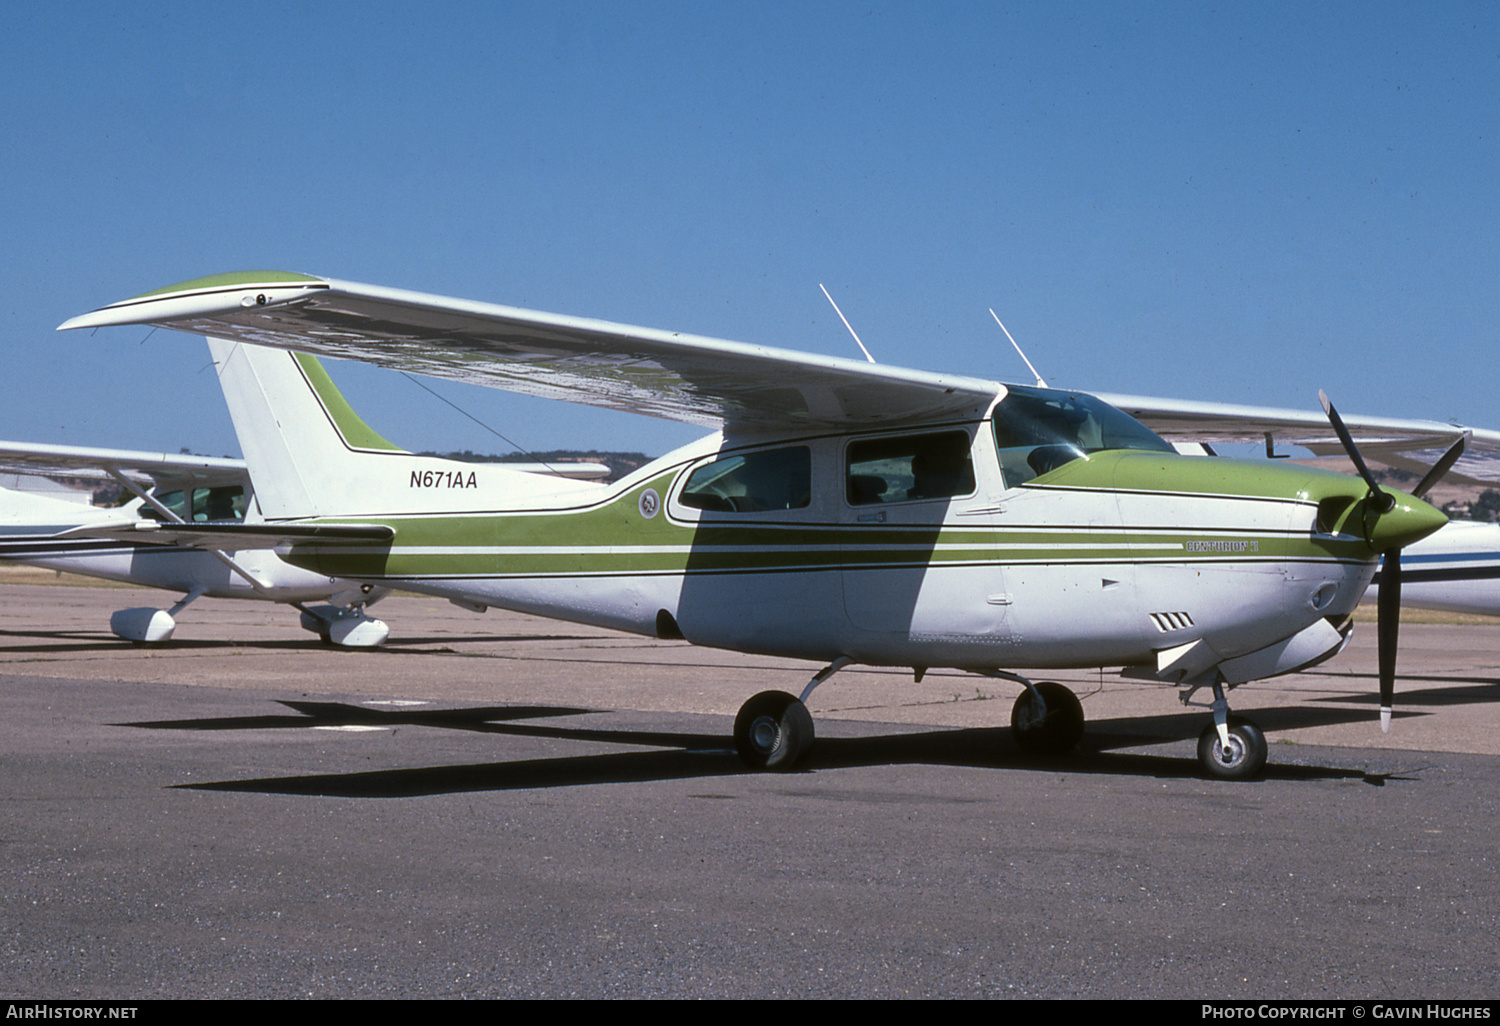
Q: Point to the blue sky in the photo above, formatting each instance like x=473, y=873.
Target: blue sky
x=1237, y=202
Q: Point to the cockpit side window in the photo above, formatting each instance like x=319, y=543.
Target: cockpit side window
x=910, y=467
x=1038, y=430
x=752, y=482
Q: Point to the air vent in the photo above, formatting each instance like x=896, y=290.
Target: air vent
x=1331, y=513
x=1166, y=622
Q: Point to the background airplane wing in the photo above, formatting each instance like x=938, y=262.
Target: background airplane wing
x=1410, y=445
x=158, y=467
x=703, y=381
x=234, y=536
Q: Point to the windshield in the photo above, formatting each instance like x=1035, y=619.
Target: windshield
x=1038, y=430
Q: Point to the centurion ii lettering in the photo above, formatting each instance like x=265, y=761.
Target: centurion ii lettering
x=1223, y=546
x=442, y=479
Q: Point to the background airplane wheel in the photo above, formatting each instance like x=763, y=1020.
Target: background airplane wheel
x=1058, y=732
x=1245, y=756
x=773, y=731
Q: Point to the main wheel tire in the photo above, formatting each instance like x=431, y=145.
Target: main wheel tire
x=773, y=731
x=1053, y=734
x=1243, y=759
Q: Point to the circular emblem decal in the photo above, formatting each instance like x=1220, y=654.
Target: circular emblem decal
x=650, y=503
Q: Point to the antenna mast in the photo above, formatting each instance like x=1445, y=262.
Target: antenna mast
x=1039, y=382
x=857, y=342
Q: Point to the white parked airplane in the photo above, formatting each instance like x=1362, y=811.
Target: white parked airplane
x=841, y=511
x=1456, y=570
x=132, y=543
x=122, y=543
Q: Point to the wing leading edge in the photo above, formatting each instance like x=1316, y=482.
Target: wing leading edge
x=159, y=467
x=709, y=382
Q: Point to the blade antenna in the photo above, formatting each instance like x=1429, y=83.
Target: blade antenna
x=1039, y=382
x=836, y=310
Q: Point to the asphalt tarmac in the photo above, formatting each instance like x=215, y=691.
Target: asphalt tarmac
x=501, y=806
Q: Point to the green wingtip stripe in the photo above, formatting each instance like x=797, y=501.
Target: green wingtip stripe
x=233, y=278
x=356, y=433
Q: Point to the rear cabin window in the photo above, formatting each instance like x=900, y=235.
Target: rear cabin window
x=911, y=467
x=752, y=482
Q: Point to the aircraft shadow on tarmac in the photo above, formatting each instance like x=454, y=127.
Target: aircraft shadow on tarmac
x=677, y=755
x=1462, y=691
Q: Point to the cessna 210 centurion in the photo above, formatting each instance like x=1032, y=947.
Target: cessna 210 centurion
x=842, y=511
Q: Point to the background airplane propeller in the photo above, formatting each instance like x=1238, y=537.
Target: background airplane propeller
x=1388, y=604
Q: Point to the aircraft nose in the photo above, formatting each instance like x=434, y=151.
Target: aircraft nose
x=1408, y=520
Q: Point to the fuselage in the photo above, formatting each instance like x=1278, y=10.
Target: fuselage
x=977, y=544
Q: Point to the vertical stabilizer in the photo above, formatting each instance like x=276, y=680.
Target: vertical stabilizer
x=309, y=454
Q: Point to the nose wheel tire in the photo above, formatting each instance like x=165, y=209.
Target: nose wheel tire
x=1243, y=758
x=773, y=731
x=1053, y=732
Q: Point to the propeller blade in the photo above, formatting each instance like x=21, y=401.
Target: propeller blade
x=1386, y=501
x=1387, y=626
x=1388, y=608
x=1442, y=466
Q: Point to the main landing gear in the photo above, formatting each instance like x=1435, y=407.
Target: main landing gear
x=774, y=730
x=1047, y=719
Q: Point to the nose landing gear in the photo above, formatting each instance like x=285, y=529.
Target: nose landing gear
x=1239, y=755
x=1232, y=747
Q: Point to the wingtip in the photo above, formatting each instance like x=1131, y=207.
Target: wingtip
x=88, y=320
x=202, y=297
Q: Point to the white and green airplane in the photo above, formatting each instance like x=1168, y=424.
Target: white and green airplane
x=841, y=511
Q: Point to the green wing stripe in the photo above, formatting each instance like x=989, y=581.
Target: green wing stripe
x=235, y=278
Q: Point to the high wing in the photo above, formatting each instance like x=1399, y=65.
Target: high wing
x=1410, y=445
x=703, y=381
x=158, y=467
